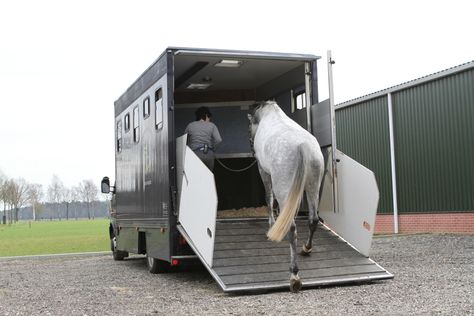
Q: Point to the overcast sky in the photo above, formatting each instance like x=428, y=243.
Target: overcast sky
x=64, y=63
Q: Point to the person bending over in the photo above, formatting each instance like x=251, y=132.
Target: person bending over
x=203, y=136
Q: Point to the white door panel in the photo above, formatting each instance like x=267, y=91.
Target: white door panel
x=198, y=204
x=180, y=155
x=358, y=197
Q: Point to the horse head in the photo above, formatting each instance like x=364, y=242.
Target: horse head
x=257, y=111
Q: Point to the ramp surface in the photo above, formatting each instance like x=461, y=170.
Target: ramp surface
x=244, y=260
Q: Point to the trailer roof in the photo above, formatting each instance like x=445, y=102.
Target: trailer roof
x=158, y=67
x=243, y=53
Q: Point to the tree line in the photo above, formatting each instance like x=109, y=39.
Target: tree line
x=16, y=194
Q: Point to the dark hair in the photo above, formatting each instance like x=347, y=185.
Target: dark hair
x=202, y=113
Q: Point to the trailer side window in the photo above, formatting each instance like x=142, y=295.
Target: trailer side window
x=127, y=122
x=146, y=107
x=298, y=100
x=301, y=101
x=159, y=109
x=119, y=136
x=136, y=125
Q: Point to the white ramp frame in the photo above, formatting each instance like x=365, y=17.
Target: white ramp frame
x=198, y=204
x=358, y=197
x=180, y=155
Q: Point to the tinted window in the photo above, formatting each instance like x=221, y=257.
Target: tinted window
x=136, y=125
x=159, y=109
x=119, y=136
x=127, y=122
x=146, y=107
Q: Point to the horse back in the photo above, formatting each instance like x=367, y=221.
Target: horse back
x=278, y=144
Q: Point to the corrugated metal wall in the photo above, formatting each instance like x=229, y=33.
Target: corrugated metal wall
x=434, y=143
x=369, y=122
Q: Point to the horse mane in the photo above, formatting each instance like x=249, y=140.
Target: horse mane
x=263, y=108
x=259, y=110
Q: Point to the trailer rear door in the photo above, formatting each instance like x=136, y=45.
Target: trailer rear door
x=198, y=204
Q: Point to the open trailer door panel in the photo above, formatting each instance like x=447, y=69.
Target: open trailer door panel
x=358, y=197
x=197, y=205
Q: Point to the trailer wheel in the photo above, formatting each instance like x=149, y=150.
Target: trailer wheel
x=117, y=254
x=157, y=266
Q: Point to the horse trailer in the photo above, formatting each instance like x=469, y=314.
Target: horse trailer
x=168, y=205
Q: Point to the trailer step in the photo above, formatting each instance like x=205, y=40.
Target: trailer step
x=244, y=260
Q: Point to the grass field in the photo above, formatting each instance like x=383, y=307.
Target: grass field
x=51, y=237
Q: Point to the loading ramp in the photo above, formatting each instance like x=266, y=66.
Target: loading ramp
x=244, y=260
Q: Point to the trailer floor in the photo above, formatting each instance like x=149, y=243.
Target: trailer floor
x=244, y=260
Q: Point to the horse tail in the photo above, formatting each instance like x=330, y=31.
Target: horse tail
x=292, y=203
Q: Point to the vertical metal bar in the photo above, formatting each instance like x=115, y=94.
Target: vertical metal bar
x=333, y=133
x=308, y=90
x=392, y=164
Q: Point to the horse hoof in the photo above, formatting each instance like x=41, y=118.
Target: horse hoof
x=305, y=251
x=295, y=284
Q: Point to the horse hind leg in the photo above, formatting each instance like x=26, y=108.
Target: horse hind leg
x=295, y=281
x=313, y=221
x=270, y=200
x=267, y=183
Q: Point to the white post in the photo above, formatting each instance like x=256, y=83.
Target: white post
x=333, y=133
x=309, y=92
x=392, y=164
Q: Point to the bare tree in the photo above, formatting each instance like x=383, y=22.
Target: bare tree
x=55, y=193
x=3, y=196
x=88, y=191
x=35, y=195
x=7, y=193
x=67, y=199
x=75, y=195
x=18, y=195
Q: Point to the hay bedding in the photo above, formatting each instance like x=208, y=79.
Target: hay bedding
x=245, y=212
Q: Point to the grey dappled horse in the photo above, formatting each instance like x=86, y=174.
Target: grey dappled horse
x=290, y=162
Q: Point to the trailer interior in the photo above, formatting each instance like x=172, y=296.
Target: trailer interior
x=228, y=85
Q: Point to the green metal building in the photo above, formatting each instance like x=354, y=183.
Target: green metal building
x=418, y=138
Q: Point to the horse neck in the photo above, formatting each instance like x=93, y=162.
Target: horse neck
x=273, y=115
x=270, y=112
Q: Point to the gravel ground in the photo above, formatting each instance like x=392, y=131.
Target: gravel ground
x=434, y=274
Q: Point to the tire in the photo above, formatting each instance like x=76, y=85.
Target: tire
x=117, y=254
x=157, y=266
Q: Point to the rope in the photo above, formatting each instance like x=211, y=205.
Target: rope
x=236, y=170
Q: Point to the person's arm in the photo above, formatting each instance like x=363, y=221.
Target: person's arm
x=216, y=136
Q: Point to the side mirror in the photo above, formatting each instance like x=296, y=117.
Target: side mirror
x=105, y=185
